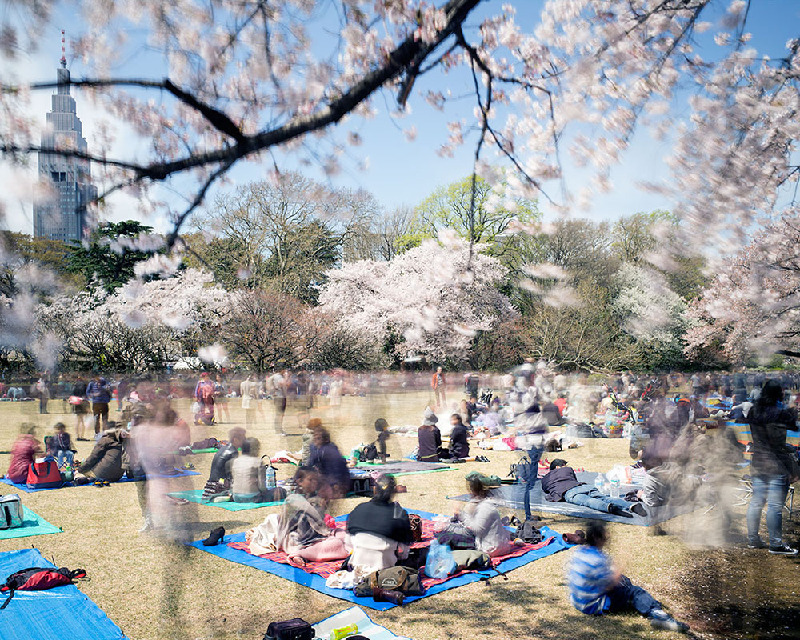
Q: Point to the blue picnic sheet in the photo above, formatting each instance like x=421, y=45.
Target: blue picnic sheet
x=62, y=612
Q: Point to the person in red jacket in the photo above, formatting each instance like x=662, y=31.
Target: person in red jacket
x=23, y=453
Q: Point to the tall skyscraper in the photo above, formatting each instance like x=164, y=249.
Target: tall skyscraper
x=63, y=217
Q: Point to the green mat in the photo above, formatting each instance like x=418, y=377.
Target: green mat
x=34, y=525
x=399, y=472
x=197, y=496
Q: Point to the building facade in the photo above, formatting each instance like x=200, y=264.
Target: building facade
x=64, y=215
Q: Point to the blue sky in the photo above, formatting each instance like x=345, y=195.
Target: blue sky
x=401, y=172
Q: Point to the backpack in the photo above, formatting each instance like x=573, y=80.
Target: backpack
x=523, y=470
x=416, y=527
x=38, y=579
x=528, y=532
x=294, y=629
x=368, y=453
x=401, y=579
x=11, y=515
x=44, y=475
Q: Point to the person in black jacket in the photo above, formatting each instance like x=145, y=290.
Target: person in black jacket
x=379, y=530
x=221, y=464
x=326, y=458
x=771, y=467
x=429, y=438
x=459, y=447
x=561, y=485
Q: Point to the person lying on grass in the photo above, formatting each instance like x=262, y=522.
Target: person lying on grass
x=597, y=588
x=561, y=485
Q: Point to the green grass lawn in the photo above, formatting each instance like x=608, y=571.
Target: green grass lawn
x=155, y=590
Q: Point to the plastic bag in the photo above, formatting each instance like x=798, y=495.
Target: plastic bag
x=440, y=563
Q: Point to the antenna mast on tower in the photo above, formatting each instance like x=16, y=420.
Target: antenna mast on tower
x=63, y=50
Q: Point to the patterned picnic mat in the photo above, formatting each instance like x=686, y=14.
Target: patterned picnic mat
x=327, y=569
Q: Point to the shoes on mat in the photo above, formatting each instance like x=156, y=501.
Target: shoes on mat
x=639, y=510
x=619, y=511
x=579, y=537
x=385, y=595
x=217, y=536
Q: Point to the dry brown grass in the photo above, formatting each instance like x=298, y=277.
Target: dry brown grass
x=154, y=590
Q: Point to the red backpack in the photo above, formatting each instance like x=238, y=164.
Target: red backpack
x=38, y=579
x=44, y=475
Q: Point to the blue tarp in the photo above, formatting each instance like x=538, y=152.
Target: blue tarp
x=317, y=583
x=21, y=487
x=62, y=612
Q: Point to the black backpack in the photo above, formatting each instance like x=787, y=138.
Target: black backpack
x=528, y=532
x=294, y=629
x=368, y=453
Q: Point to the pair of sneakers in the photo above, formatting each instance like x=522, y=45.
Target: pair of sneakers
x=660, y=619
x=782, y=549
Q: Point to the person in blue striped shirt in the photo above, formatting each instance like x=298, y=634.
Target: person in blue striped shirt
x=597, y=588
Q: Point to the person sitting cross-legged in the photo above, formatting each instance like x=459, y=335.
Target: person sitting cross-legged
x=597, y=588
x=561, y=485
x=379, y=531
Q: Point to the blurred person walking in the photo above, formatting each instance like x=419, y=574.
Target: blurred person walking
x=99, y=393
x=772, y=467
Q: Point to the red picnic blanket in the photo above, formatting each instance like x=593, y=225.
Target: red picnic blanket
x=327, y=569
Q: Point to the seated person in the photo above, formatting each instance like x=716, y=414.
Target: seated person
x=551, y=414
x=302, y=531
x=379, y=531
x=248, y=474
x=105, y=460
x=60, y=446
x=382, y=427
x=740, y=412
x=459, y=447
x=221, y=464
x=23, y=454
x=561, y=485
x=596, y=587
x=491, y=422
x=330, y=463
x=429, y=438
x=473, y=408
x=482, y=518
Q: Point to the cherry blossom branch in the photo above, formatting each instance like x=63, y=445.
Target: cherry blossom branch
x=215, y=117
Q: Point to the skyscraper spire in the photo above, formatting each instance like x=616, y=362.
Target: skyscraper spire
x=63, y=50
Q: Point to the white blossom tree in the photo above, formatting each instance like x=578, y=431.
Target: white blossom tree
x=424, y=301
x=651, y=313
x=752, y=306
x=139, y=326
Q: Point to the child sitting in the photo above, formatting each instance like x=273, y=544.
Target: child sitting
x=597, y=588
x=60, y=446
